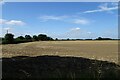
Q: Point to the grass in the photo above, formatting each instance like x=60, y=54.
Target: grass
x=59, y=68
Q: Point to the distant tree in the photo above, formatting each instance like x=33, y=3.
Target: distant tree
x=9, y=38
x=21, y=37
x=42, y=37
x=68, y=39
x=99, y=38
x=56, y=39
x=28, y=37
x=107, y=39
x=35, y=38
x=49, y=39
x=88, y=39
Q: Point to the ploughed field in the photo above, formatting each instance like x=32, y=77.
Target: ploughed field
x=99, y=50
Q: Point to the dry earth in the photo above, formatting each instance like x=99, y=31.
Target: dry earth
x=100, y=50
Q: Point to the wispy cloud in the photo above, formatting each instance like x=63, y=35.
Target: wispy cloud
x=12, y=22
x=15, y=22
x=49, y=17
x=81, y=21
x=77, y=32
x=103, y=7
x=75, y=29
x=74, y=19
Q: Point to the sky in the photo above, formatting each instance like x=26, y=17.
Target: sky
x=60, y=19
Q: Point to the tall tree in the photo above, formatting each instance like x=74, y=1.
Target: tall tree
x=42, y=37
x=9, y=38
x=56, y=39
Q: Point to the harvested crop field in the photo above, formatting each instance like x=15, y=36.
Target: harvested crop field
x=100, y=50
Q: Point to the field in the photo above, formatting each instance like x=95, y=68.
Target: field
x=88, y=60
x=100, y=50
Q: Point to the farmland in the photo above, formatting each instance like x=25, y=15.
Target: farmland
x=100, y=50
x=61, y=59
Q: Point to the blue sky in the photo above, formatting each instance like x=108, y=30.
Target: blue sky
x=61, y=19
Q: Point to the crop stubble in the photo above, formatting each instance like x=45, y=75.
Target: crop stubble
x=100, y=50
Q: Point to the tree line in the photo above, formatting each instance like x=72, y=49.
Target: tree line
x=9, y=38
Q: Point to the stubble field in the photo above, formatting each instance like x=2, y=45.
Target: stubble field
x=100, y=50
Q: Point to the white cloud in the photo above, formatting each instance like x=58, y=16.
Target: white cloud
x=75, y=29
x=103, y=7
x=15, y=22
x=11, y=22
x=81, y=21
x=65, y=18
x=47, y=17
x=78, y=33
